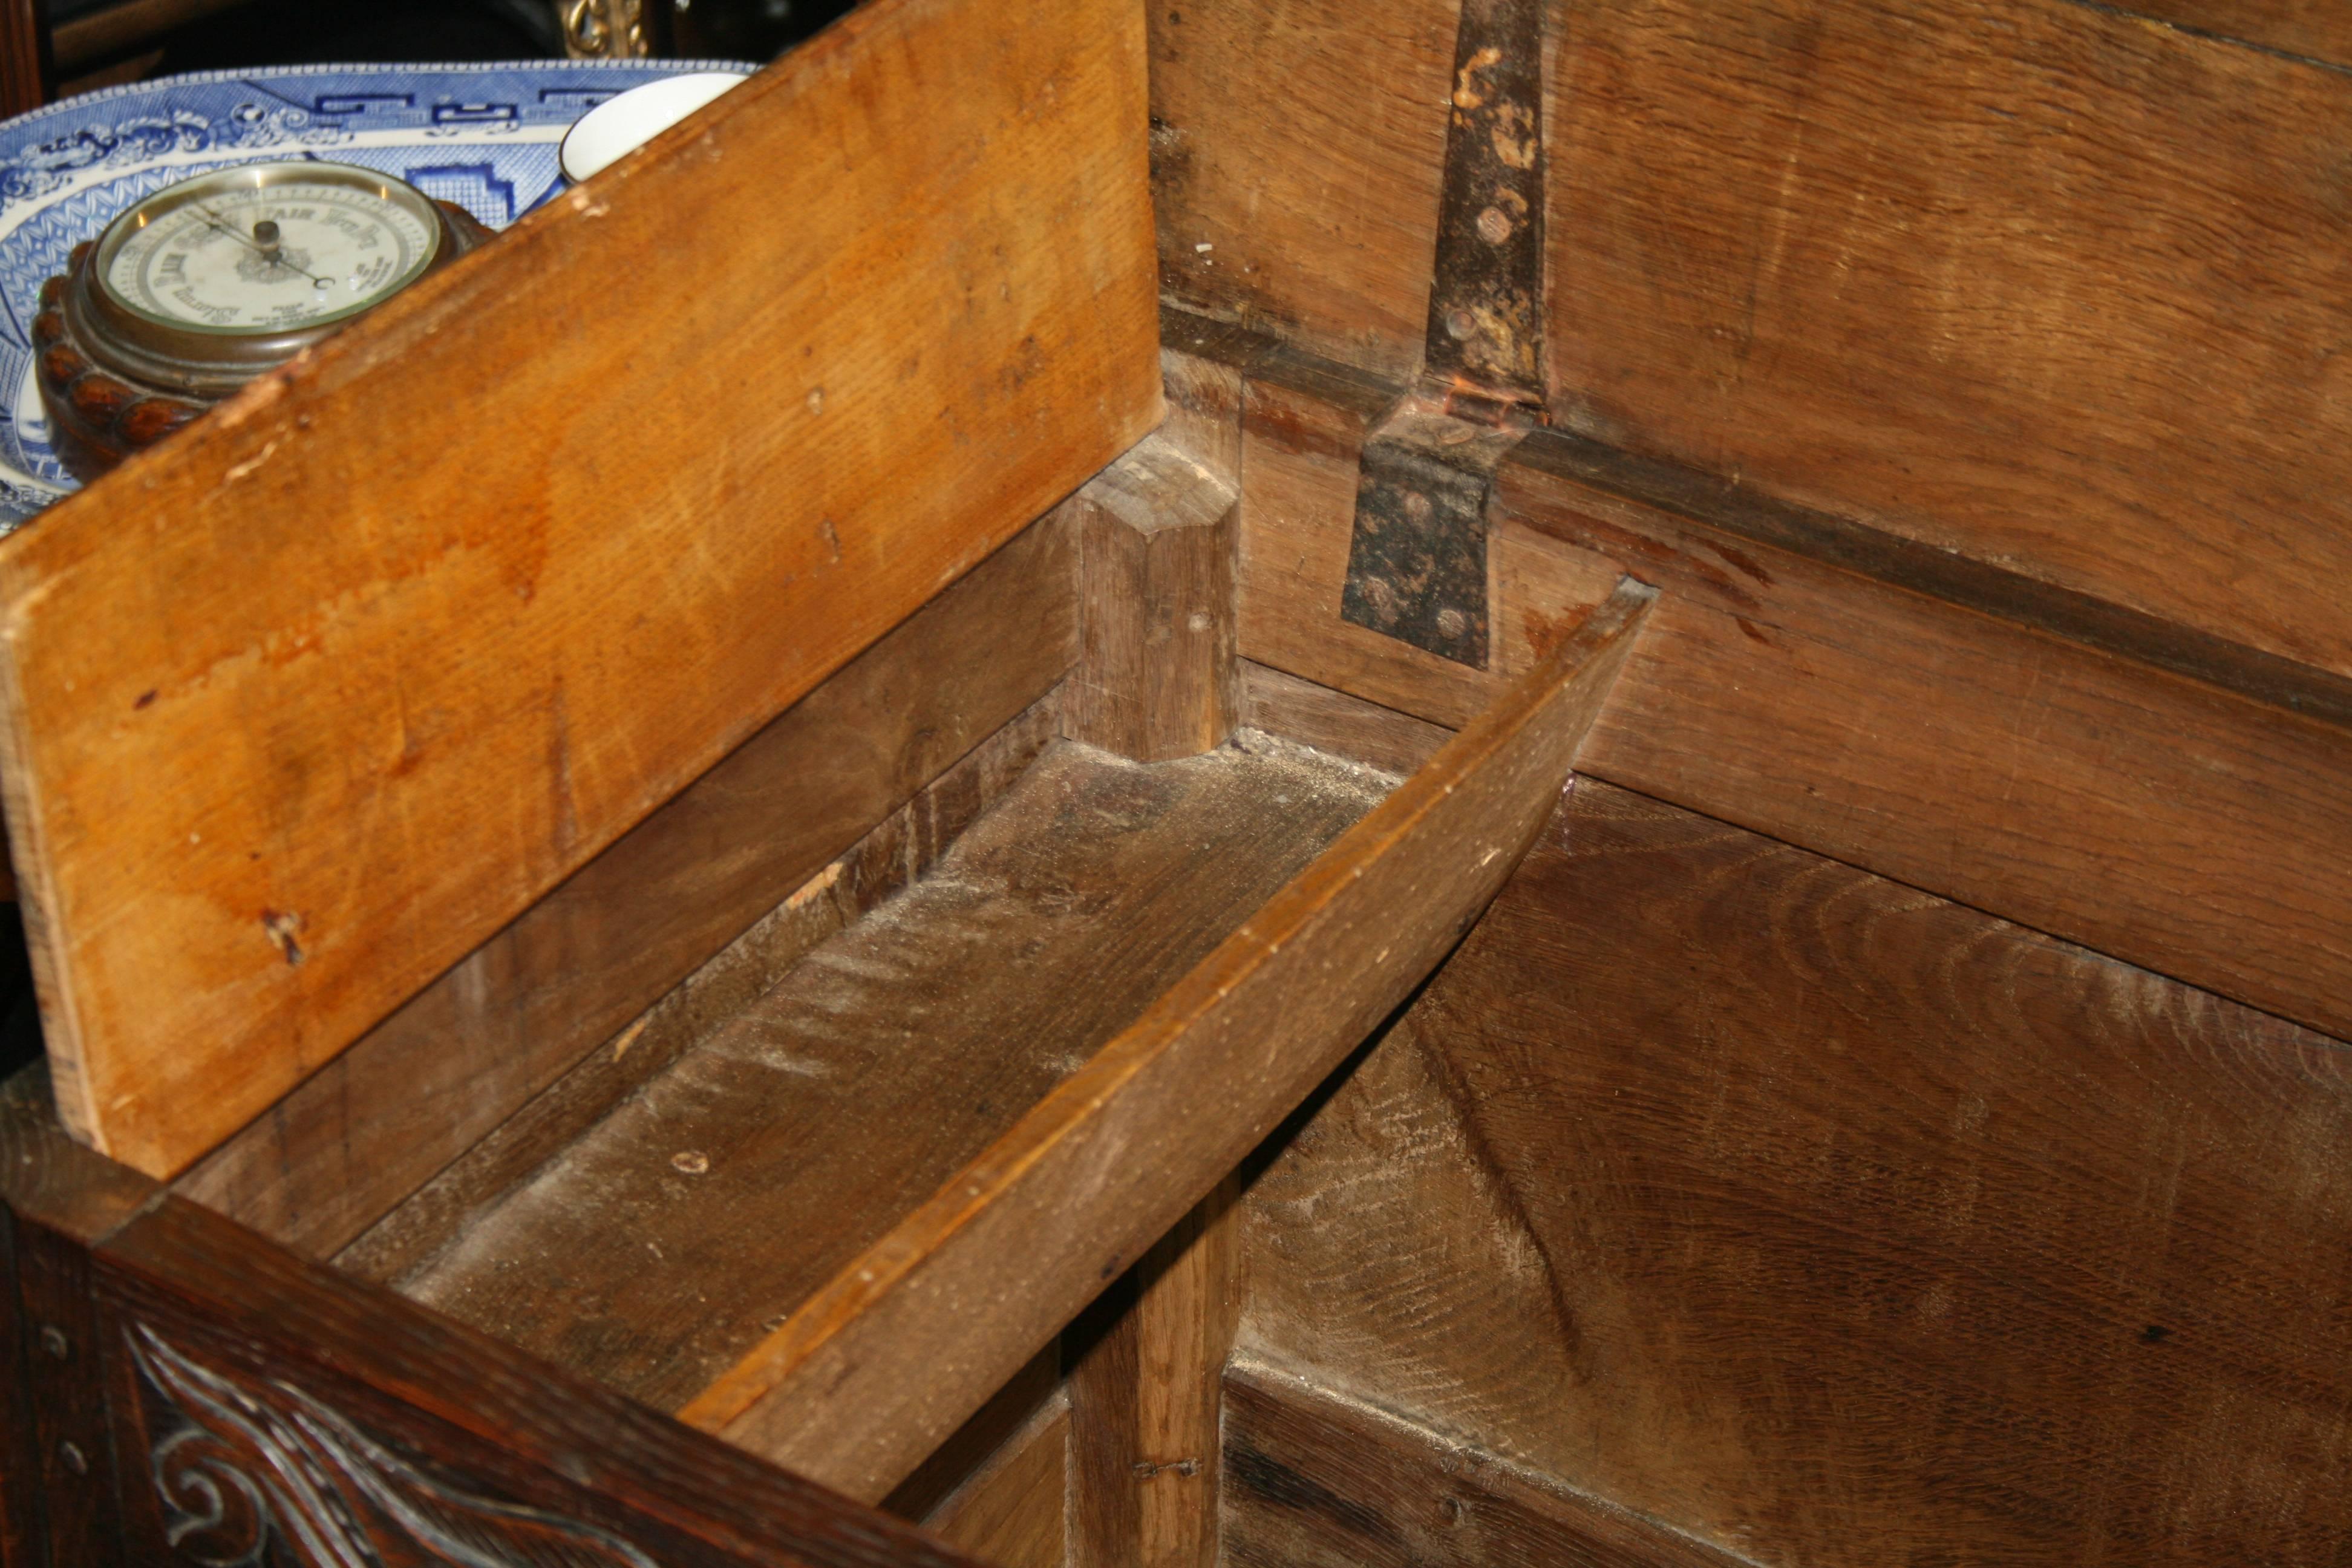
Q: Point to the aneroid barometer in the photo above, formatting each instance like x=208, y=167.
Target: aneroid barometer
x=207, y=284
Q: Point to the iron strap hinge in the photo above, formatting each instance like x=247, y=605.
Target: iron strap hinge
x=1417, y=560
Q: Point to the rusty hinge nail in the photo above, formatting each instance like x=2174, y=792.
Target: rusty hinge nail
x=1417, y=556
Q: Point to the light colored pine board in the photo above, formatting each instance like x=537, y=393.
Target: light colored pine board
x=2319, y=29
x=304, y=705
x=864, y=1377
x=580, y=968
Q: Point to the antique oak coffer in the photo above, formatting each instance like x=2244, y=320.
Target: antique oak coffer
x=1266, y=781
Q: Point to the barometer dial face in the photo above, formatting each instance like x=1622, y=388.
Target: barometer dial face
x=268, y=248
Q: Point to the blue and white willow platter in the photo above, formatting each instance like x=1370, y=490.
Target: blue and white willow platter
x=481, y=136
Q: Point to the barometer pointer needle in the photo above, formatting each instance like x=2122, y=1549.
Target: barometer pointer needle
x=274, y=260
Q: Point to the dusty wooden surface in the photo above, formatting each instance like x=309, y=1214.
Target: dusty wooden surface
x=2024, y=278
x=523, y=632
x=2162, y=818
x=1011, y=1512
x=993, y=1264
x=2082, y=768
x=302, y=1394
x=1155, y=534
x=580, y=968
x=672, y=1237
x=1335, y=722
x=1295, y=151
x=1146, y=1471
x=899, y=850
x=1014, y=1414
x=1833, y=1222
x=1317, y=1482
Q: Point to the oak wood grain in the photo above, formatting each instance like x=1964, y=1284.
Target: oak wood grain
x=1146, y=1473
x=2165, y=819
x=1832, y=1222
x=1155, y=677
x=668, y=1241
x=580, y=969
x=491, y=1420
x=1297, y=147
x=1333, y=722
x=2087, y=769
x=898, y=850
x=1303, y=428
x=2027, y=280
x=2319, y=29
x=998, y=1259
x=1011, y=1512
x=925, y=314
x=1318, y=1482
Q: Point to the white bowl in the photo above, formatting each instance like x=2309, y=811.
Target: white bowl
x=619, y=126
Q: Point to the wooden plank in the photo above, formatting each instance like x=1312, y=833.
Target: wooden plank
x=1317, y=1482
x=980, y=1274
x=2021, y=279
x=1155, y=538
x=1034, y=1396
x=57, y=1201
x=2317, y=29
x=2079, y=766
x=656, y=1250
x=1296, y=150
x=1144, y=1398
x=1334, y=721
x=584, y=963
x=2167, y=820
x=698, y=497
x=321, y=1388
x=1835, y=1223
x=1011, y=1512
x=900, y=848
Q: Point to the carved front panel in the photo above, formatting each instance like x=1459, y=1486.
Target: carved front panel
x=253, y=1470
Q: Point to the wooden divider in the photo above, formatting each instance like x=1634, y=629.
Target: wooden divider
x=866, y=1376
x=302, y=706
